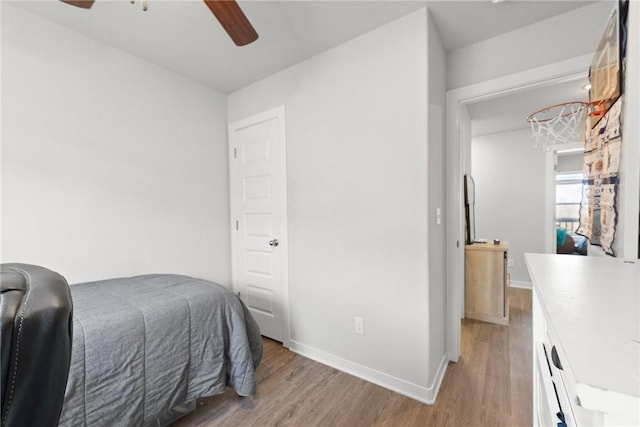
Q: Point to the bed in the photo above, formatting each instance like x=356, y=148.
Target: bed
x=144, y=348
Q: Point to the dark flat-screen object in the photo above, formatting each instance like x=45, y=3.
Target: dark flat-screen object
x=469, y=209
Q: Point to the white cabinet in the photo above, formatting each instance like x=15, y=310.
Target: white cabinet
x=586, y=340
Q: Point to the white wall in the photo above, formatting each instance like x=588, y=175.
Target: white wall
x=110, y=165
x=552, y=40
x=570, y=162
x=436, y=193
x=627, y=231
x=357, y=201
x=510, y=196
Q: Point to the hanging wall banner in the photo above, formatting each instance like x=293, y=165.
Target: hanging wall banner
x=598, y=214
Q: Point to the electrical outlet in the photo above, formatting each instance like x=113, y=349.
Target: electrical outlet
x=359, y=325
x=510, y=263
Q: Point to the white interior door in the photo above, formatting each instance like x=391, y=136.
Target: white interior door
x=258, y=216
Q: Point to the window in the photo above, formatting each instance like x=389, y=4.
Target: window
x=568, y=198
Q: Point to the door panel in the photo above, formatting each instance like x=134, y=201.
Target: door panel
x=258, y=204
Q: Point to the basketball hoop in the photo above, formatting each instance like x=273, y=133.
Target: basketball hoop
x=558, y=124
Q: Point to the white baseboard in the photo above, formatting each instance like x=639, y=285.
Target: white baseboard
x=406, y=388
x=518, y=284
x=437, y=382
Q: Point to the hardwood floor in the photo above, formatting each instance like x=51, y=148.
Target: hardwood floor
x=491, y=385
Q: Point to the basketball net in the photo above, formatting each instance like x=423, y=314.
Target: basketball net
x=558, y=124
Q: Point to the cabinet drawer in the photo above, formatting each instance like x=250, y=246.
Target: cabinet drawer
x=566, y=385
x=546, y=404
x=551, y=403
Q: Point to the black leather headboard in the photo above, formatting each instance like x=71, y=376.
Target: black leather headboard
x=35, y=343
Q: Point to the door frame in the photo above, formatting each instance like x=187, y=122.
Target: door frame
x=283, y=237
x=457, y=159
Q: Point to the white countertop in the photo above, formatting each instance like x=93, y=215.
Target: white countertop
x=593, y=306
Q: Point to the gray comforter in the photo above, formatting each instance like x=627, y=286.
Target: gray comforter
x=145, y=344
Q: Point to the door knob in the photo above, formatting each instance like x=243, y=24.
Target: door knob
x=274, y=242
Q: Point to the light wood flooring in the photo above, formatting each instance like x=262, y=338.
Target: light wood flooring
x=491, y=385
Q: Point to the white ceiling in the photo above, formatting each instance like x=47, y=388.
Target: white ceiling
x=510, y=112
x=183, y=36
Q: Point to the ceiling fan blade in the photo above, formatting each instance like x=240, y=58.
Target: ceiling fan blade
x=233, y=20
x=85, y=4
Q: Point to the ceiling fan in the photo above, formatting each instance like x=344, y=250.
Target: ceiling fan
x=228, y=13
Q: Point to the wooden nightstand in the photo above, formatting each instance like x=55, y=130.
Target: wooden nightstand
x=486, y=282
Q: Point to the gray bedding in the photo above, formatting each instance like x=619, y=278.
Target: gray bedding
x=145, y=344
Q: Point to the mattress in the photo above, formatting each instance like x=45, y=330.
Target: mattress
x=145, y=344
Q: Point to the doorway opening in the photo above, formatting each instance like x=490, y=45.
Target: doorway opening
x=462, y=105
